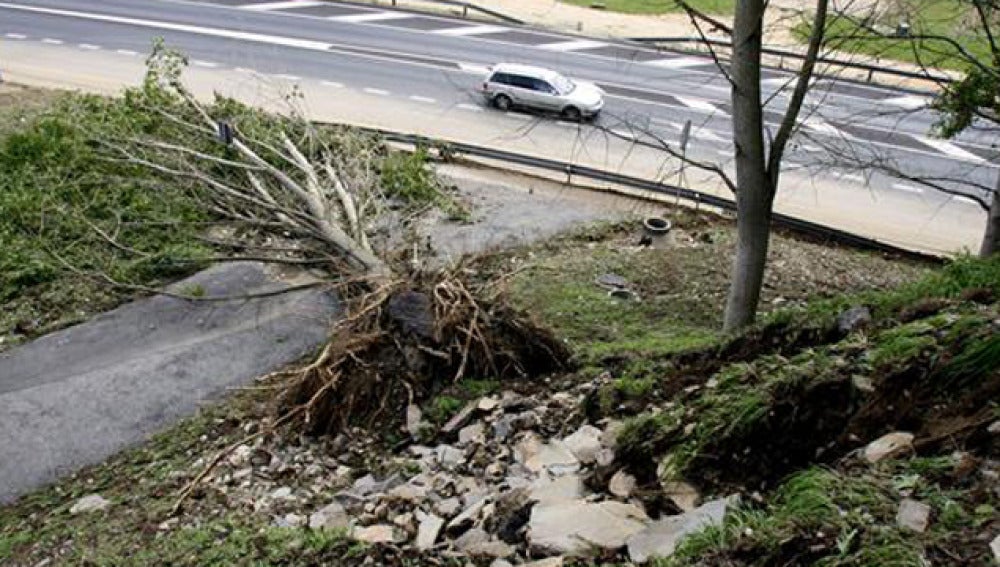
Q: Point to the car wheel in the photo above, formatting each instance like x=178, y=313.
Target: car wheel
x=502, y=102
x=572, y=113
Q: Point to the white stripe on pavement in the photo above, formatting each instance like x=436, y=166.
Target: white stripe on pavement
x=206, y=64
x=907, y=188
x=473, y=68
x=378, y=92
x=423, y=99
x=909, y=102
x=469, y=107
x=15, y=36
x=678, y=62
x=471, y=30
x=572, y=45
x=89, y=47
x=698, y=104
x=268, y=6
x=706, y=134
x=372, y=17
x=51, y=41
x=951, y=150
x=819, y=125
x=853, y=177
x=128, y=52
x=332, y=84
x=199, y=30
x=286, y=77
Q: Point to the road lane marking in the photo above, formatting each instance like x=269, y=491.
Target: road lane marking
x=378, y=92
x=572, y=45
x=332, y=84
x=966, y=200
x=268, y=6
x=699, y=104
x=909, y=102
x=287, y=77
x=15, y=36
x=51, y=41
x=950, y=149
x=907, y=188
x=206, y=64
x=423, y=99
x=708, y=135
x=623, y=134
x=519, y=116
x=473, y=68
x=852, y=177
x=819, y=125
x=127, y=52
x=469, y=107
x=678, y=62
x=244, y=70
x=792, y=165
x=371, y=17
x=726, y=153
x=89, y=47
x=471, y=30
x=199, y=30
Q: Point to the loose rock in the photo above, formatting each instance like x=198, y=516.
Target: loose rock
x=995, y=546
x=573, y=528
x=854, y=319
x=428, y=531
x=621, y=485
x=913, y=515
x=379, y=533
x=561, y=489
x=682, y=494
x=889, y=445
x=584, y=443
x=333, y=516
x=537, y=456
x=90, y=503
x=449, y=457
x=471, y=434
x=660, y=539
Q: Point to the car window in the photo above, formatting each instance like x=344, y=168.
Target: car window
x=544, y=87
x=523, y=82
x=502, y=78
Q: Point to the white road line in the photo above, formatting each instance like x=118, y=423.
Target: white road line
x=473, y=68
x=678, y=62
x=332, y=84
x=698, y=104
x=268, y=6
x=244, y=70
x=811, y=148
x=471, y=30
x=563, y=124
x=966, y=200
x=372, y=17
x=791, y=165
x=951, y=150
x=726, y=153
x=287, y=77
x=199, y=30
x=907, y=188
x=572, y=45
x=706, y=134
x=128, y=52
x=51, y=41
x=15, y=36
x=622, y=134
x=89, y=47
x=909, y=102
x=423, y=99
x=852, y=177
x=206, y=64
x=819, y=125
x=378, y=92
x=469, y=107
x=519, y=116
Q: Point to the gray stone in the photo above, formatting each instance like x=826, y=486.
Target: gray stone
x=995, y=546
x=409, y=492
x=449, y=457
x=90, y=503
x=414, y=420
x=611, y=281
x=460, y=419
x=333, y=516
x=622, y=485
x=888, y=446
x=609, y=436
x=660, y=538
x=289, y=521
x=547, y=562
x=489, y=549
x=573, y=528
x=854, y=319
x=467, y=518
x=682, y=494
x=470, y=538
x=994, y=428
x=537, y=456
x=913, y=515
x=240, y=456
x=428, y=530
x=379, y=533
x=561, y=489
x=488, y=404
x=471, y=434
x=501, y=563
x=448, y=507
x=282, y=493
x=584, y=443
x=503, y=427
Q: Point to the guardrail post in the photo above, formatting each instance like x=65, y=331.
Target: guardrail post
x=569, y=174
x=465, y=10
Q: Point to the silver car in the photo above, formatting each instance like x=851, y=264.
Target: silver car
x=508, y=85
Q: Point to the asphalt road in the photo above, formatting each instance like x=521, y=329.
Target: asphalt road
x=429, y=66
x=77, y=396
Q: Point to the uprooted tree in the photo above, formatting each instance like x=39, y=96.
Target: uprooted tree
x=323, y=193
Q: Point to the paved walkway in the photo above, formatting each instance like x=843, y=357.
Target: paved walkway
x=77, y=396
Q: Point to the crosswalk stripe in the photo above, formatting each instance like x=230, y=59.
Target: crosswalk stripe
x=371, y=17
x=952, y=150
x=677, y=62
x=268, y=6
x=470, y=30
x=574, y=45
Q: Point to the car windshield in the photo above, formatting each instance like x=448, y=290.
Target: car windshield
x=562, y=84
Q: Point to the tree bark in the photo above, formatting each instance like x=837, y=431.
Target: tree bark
x=754, y=196
x=991, y=238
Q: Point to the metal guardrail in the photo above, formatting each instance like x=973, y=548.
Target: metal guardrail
x=782, y=54
x=466, y=7
x=815, y=230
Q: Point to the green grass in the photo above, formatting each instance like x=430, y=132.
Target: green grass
x=721, y=7
x=949, y=18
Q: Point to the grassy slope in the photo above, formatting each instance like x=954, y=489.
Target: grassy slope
x=724, y=7
x=948, y=18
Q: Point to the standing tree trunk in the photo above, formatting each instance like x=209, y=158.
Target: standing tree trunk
x=991, y=239
x=755, y=194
